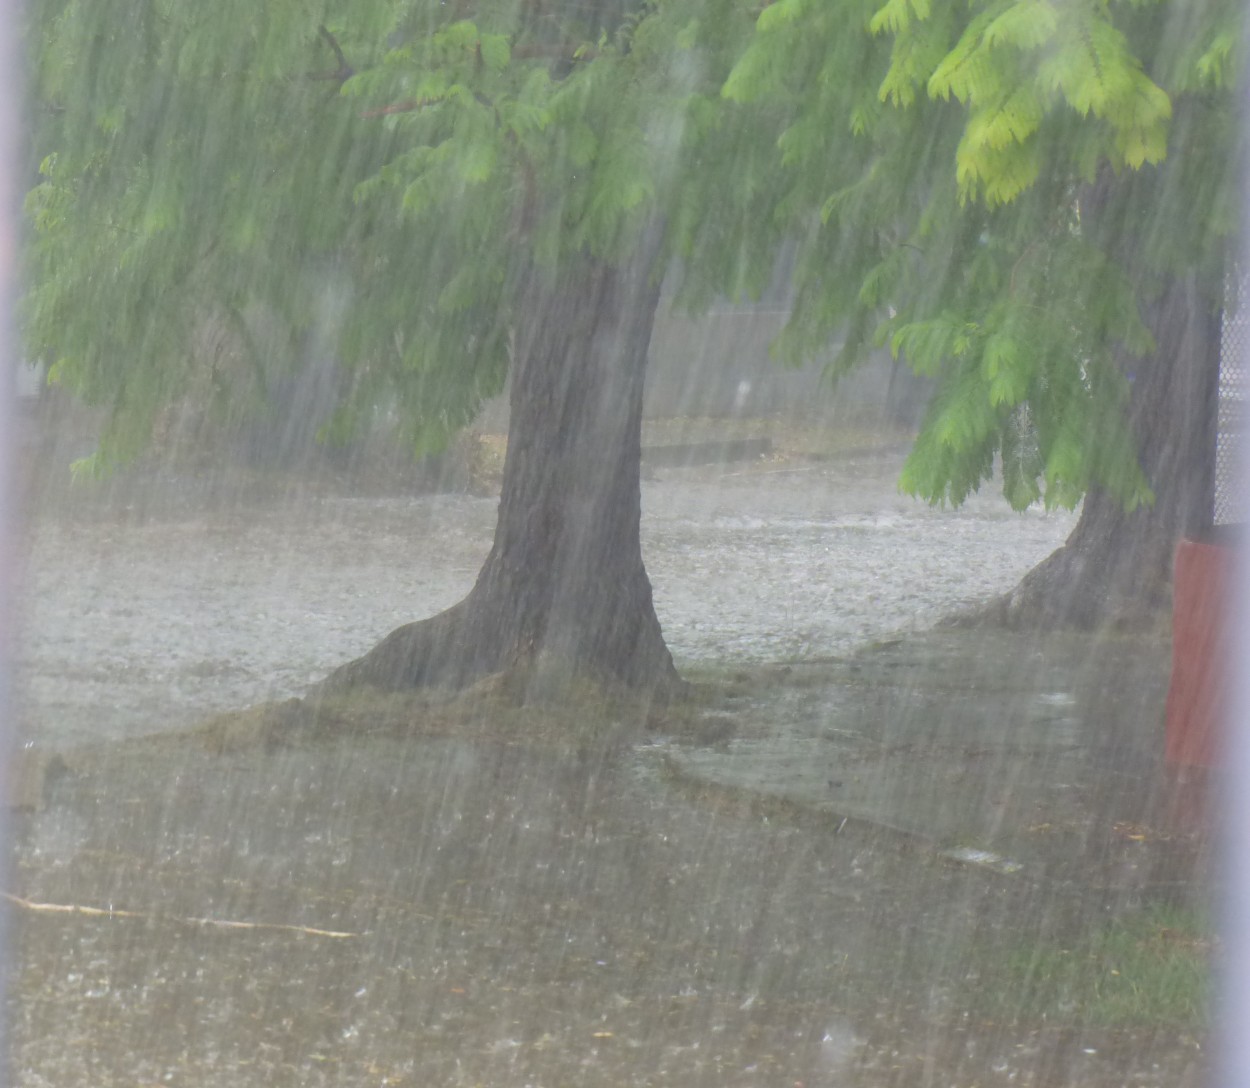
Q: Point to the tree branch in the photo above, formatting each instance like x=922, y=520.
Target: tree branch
x=565, y=51
x=221, y=923
x=401, y=107
x=414, y=104
x=345, y=71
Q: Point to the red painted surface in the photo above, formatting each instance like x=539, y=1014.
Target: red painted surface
x=1202, y=582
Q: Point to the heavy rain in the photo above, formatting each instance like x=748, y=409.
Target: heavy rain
x=623, y=542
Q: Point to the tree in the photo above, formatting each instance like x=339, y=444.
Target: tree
x=462, y=187
x=1031, y=203
x=456, y=189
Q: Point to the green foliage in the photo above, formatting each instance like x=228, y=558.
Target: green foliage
x=226, y=189
x=992, y=190
x=1004, y=215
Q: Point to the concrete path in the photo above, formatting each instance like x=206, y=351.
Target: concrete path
x=1001, y=749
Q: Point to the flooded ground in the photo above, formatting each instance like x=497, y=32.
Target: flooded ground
x=161, y=607
x=946, y=860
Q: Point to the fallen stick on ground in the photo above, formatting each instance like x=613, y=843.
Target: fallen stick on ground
x=109, y=912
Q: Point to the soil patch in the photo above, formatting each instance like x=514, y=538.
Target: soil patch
x=413, y=892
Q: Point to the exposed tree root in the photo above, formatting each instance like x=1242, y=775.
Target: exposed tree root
x=1072, y=588
x=468, y=642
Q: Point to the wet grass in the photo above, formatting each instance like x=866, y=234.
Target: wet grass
x=489, y=711
x=1149, y=969
x=505, y=709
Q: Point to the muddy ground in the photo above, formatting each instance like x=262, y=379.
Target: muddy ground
x=748, y=891
x=425, y=897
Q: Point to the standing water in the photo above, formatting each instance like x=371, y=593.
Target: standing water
x=857, y=866
x=142, y=621
x=857, y=845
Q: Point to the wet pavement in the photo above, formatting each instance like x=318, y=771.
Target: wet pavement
x=979, y=743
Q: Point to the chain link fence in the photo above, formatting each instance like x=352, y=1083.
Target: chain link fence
x=1231, y=503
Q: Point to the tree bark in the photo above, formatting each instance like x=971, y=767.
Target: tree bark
x=1116, y=566
x=563, y=591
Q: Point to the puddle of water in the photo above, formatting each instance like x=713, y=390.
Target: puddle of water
x=137, y=625
x=938, y=738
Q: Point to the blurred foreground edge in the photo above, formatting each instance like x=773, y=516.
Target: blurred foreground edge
x=1234, y=1039
x=10, y=174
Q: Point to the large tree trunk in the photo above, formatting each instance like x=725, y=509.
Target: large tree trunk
x=564, y=590
x=1116, y=566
